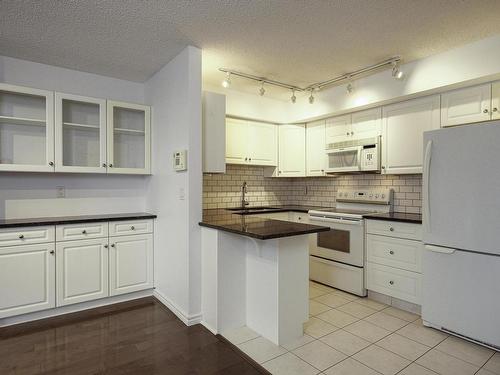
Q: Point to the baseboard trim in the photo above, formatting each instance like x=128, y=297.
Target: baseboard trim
x=188, y=320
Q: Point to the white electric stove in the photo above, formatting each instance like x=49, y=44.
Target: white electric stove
x=337, y=257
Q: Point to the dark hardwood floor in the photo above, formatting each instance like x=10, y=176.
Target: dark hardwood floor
x=141, y=337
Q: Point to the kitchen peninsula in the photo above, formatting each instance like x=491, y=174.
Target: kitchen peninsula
x=255, y=273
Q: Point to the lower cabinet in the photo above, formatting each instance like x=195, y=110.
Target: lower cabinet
x=27, y=278
x=81, y=271
x=130, y=263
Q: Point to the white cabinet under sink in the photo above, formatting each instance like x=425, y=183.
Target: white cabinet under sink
x=251, y=142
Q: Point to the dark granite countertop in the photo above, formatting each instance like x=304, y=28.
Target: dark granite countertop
x=251, y=226
x=396, y=216
x=273, y=209
x=37, y=221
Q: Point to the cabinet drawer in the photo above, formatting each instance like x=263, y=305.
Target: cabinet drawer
x=394, y=282
x=394, y=229
x=26, y=235
x=394, y=252
x=81, y=231
x=125, y=228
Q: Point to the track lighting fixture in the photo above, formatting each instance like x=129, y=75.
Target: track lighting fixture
x=397, y=73
x=393, y=62
x=227, y=81
x=311, y=97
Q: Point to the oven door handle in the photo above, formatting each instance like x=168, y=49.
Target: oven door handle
x=338, y=221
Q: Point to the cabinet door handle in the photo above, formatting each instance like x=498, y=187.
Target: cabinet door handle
x=52, y=252
x=51, y=163
x=391, y=252
x=352, y=133
x=347, y=133
x=246, y=159
x=391, y=229
x=391, y=282
x=104, y=165
x=132, y=227
x=106, y=246
x=112, y=245
x=21, y=236
x=485, y=110
x=84, y=231
x=111, y=165
x=495, y=109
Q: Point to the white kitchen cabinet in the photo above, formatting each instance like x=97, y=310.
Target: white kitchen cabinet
x=214, y=132
x=463, y=106
x=366, y=124
x=80, y=130
x=27, y=279
x=495, y=100
x=315, y=148
x=81, y=271
x=131, y=263
x=402, y=136
x=338, y=129
x=128, y=138
x=26, y=129
x=251, y=142
x=292, y=151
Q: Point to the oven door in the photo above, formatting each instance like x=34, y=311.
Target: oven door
x=346, y=159
x=344, y=242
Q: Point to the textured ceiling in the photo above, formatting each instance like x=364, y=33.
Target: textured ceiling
x=298, y=41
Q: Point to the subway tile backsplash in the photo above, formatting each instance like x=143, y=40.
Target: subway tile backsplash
x=224, y=190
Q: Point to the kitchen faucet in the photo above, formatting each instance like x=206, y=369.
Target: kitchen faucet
x=244, y=202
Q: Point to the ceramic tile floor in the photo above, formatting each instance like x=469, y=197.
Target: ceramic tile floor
x=347, y=335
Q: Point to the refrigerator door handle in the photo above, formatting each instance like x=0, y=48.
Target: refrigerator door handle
x=427, y=175
x=440, y=249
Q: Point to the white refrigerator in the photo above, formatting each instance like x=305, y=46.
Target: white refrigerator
x=461, y=226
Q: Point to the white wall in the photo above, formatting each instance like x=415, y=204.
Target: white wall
x=34, y=195
x=470, y=64
x=175, y=94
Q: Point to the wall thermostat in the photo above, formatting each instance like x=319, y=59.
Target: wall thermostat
x=180, y=160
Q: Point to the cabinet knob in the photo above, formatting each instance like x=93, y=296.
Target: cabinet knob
x=106, y=246
x=249, y=159
x=352, y=133
x=21, y=236
x=485, y=110
x=246, y=159
x=112, y=245
x=391, y=252
x=132, y=227
x=51, y=163
x=391, y=282
x=279, y=172
x=110, y=165
x=84, y=231
x=347, y=133
x=52, y=252
x=104, y=165
x=495, y=109
x=391, y=229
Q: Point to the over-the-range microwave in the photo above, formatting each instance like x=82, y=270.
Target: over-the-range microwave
x=361, y=155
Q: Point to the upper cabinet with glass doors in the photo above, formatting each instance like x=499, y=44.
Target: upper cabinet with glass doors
x=129, y=138
x=26, y=129
x=80, y=134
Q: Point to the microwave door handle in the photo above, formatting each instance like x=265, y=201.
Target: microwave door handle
x=343, y=150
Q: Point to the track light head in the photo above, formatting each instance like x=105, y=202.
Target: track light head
x=293, y=98
x=227, y=81
x=397, y=73
x=311, y=98
x=262, y=90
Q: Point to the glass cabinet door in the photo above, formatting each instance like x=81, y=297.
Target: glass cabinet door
x=80, y=134
x=129, y=138
x=26, y=129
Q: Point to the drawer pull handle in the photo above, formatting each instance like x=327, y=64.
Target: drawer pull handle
x=52, y=252
x=106, y=246
x=391, y=282
x=84, y=231
x=21, y=236
x=132, y=227
x=391, y=229
x=112, y=245
x=391, y=252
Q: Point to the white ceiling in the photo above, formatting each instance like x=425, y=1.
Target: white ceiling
x=297, y=41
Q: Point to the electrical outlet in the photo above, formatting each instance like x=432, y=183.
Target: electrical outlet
x=182, y=194
x=60, y=192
